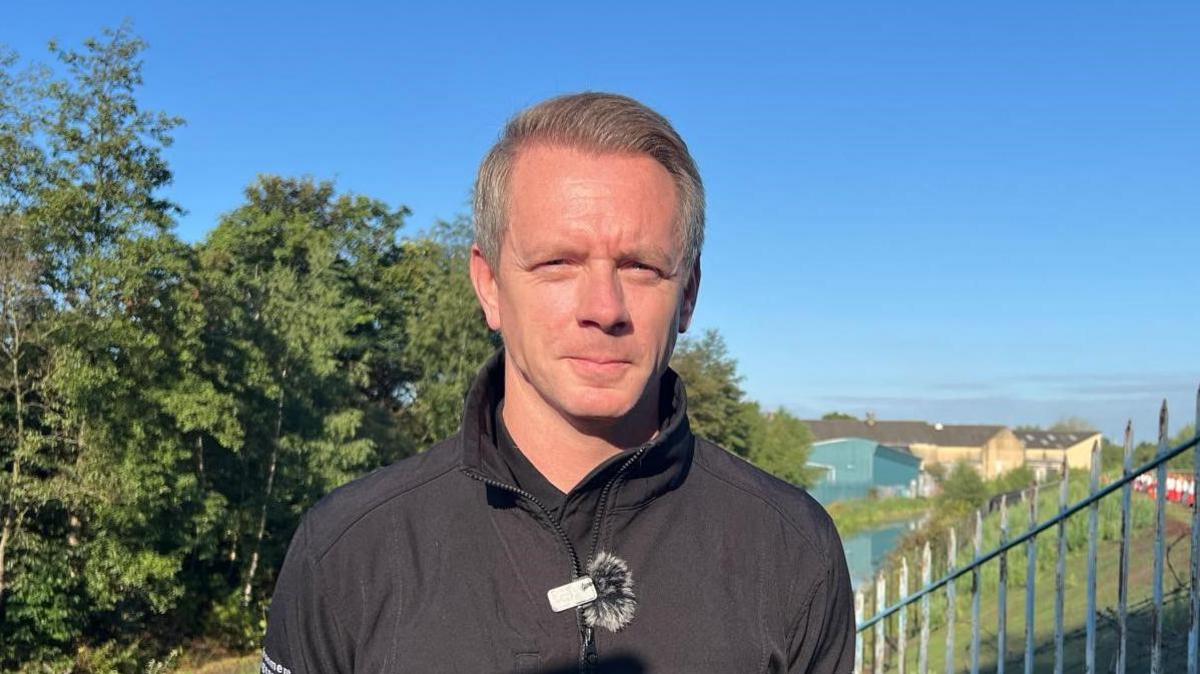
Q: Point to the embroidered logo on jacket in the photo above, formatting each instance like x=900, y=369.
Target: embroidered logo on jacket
x=269, y=666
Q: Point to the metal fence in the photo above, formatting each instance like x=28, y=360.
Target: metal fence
x=889, y=629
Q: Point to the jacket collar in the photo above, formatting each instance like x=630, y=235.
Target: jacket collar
x=661, y=466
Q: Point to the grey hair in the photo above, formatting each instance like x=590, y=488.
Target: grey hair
x=595, y=122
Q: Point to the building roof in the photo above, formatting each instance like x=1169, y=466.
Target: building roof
x=903, y=449
x=904, y=433
x=902, y=453
x=1054, y=439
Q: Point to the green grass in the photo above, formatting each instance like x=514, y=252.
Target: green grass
x=1175, y=583
x=248, y=664
x=852, y=517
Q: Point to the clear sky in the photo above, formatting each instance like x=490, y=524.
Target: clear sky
x=959, y=212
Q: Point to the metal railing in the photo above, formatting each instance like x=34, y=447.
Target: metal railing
x=877, y=625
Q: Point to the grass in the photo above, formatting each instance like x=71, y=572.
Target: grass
x=248, y=664
x=852, y=517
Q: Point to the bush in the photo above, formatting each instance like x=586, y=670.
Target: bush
x=237, y=626
x=962, y=490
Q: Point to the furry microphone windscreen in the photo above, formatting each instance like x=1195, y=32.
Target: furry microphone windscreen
x=615, y=602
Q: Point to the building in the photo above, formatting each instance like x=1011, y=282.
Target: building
x=991, y=450
x=1044, y=450
x=857, y=468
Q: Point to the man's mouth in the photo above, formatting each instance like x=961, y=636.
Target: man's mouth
x=598, y=365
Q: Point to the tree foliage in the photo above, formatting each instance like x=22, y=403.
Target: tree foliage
x=719, y=411
x=963, y=490
x=169, y=410
x=780, y=444
x=717, y=406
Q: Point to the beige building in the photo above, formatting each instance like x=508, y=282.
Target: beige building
x=1044, y=450
x=991, y=450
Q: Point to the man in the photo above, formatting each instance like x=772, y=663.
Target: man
x=574, y=523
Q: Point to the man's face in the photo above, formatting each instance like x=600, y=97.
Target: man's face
x=590, y=290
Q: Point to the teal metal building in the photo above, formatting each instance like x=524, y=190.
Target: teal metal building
x=853, y=467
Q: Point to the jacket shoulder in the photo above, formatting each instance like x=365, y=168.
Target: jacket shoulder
x=794, y=506
x=344, y=507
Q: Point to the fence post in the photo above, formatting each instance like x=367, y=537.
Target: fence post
x=1194, y=629
x=902, y=628
x=975, y=592
x=1123, y=580
x=1093, y=534
x=926, y=578
x=858, y=644
x=1160, y=533
x=951, y=604
x=1002, y=595
x=1031, y=579
x=880, y=638
x=1060, y=571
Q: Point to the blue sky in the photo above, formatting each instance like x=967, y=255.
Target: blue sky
x=960, y=212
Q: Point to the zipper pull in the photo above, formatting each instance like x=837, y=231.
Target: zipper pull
x=590, y=657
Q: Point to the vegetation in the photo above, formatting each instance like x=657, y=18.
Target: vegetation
x=1067, y=424
x=1076, y=576
x=858, y=515
x=776, y=441
x=169, y=410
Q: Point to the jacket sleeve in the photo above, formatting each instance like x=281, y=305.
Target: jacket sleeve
x=823, y=639
x=303, y=634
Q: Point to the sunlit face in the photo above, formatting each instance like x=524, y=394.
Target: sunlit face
x=591, y=290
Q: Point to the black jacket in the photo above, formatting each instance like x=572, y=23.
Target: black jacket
x=439, y=564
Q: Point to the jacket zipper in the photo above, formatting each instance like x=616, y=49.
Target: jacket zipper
x=587, y=648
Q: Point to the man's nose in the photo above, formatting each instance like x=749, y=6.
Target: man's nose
x=602, y=301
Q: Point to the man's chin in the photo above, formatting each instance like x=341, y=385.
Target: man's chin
x=599, y=415
x=602, y=407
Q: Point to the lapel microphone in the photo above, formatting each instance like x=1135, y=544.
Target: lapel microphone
x=605, y=593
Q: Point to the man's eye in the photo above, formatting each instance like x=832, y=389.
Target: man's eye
x=642, y=267
x=555, y=262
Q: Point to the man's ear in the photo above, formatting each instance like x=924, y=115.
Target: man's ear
x=487, y=289
x=690, y=292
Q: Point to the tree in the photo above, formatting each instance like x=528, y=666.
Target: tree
x=780, y=444
x=717, y=407
x=292, y=340
x=1072, y=424
x=836, y=416
x=1067, y=424
x=446, y=338
x=168, y=411
x=963, y=490
x=1016, y=479
x=936, y=471
x=94, y=502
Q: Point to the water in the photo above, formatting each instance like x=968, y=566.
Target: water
x=867, y=550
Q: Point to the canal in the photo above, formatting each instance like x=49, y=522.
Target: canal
x=867, y=550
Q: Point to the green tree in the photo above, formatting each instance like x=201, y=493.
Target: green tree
x=445, y=336
x=1146, y=450
x=291, y=339
x=98, y=496
x=835, y=416
x=717, y=407
x=168, y=411
x=1021, y=477
x=937, y=471
x=780, y=444
x=1072, y=424
x=963, y=490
